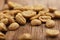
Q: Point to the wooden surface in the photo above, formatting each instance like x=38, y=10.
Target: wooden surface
x=1, y=4
x=37, y=32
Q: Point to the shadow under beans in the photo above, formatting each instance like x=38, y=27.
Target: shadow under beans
x=52, y=37
x=56, y=19
x=4, y=32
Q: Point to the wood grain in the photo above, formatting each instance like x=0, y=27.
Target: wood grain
x=1, y=4
x=38, y=32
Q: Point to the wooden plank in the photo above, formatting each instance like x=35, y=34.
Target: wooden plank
x=38, y=32
x=10, y=35
x=1, y=4
x=30, y=2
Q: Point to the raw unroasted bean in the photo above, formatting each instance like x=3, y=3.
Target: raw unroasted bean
x=57, y=14
x=35, y=17
x=52, y=32
x=13, y=5
x=14, y=12
x=44, y=18
x=50, y=14
x=45, y=10
x=25, y=36
x=2, y=36
x=26, y=7
x=50, y=23
x=5, y=21
x=38, y=7
x=13, y=26
x=20, y=19
x=28, y=13
x=9, y=15
x=35, y=22
x=52, y=9
x=2, y=16
x=5, y=11
x=11, y=12
x=34, y=7
x=11, y=19
x=3, y=27
x=42, y=13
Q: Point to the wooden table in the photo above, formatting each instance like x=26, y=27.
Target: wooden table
x=37, y=32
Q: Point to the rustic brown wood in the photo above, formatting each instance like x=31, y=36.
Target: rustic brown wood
x=38, y=32
x=1, y=4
